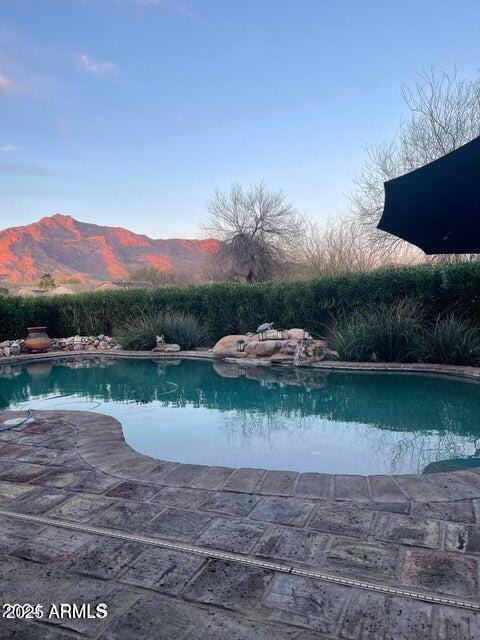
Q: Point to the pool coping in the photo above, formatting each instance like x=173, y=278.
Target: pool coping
x=108, y=451
x=100, y=443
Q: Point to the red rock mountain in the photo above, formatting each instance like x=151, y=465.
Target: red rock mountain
x=67, y=248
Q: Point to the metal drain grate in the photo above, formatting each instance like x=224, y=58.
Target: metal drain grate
x=238, y=558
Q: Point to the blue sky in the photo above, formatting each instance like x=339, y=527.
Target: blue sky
x=131, y=112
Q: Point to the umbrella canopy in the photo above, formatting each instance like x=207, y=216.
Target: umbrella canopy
x=437, y=207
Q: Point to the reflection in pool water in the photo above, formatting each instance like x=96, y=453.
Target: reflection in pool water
x=297, y=418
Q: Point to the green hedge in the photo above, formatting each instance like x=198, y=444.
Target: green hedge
x=231, y=308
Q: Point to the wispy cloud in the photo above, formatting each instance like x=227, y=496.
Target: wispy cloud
x=26, y=169
x=96, y=68
x=5, y=82
x=16, y=79
x=10, y=148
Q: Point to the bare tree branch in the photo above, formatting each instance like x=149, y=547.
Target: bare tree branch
x=258, y=230
x=340, y=245
x=444, y=114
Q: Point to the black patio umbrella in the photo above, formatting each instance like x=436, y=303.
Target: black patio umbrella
x=437, y=207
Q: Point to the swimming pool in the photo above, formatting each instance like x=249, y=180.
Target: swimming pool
x=297, y=418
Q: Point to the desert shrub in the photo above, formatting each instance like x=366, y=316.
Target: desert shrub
x=453, y=340
x=398, y=332
x=384, y=333
x=349, y=335
x=180, y=328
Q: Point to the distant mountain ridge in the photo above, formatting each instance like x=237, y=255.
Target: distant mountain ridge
x=68, y=248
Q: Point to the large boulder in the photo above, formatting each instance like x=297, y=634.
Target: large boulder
x=315, y=351
x=263, y=348
x=282, y=357
x=296, y=334
x=289, y=347
x=294, y=348
x=226, y=347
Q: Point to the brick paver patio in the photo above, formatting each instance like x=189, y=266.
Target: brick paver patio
x=415, y=533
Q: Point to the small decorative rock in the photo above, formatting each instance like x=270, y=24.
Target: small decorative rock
x=11, y=348
x=15, y=349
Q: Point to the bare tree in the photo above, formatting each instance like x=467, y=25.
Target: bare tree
x=336, y=246
x=149, y=276
x=340, y=245
x=444, y=114
x=257, y=229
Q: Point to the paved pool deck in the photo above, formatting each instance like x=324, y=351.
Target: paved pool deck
x=190, y=552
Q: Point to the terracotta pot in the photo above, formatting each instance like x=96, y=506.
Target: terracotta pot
x=37, y=340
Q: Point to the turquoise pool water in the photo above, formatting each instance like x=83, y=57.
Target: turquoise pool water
x=298, y=419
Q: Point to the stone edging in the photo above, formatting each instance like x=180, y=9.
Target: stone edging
x=114, y=353
x=455, y=371
x=471, y=373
